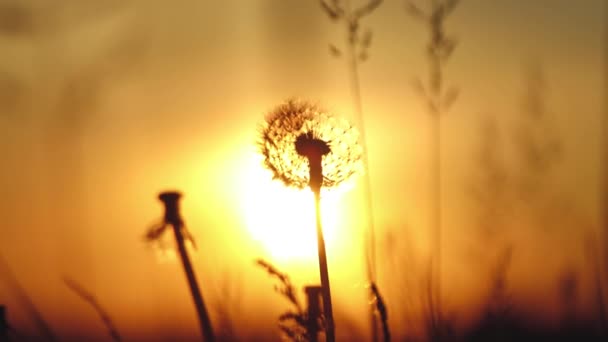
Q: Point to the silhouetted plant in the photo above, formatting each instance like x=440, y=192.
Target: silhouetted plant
x=304, y=145
x=438, y=100
x=294, y=119
x=382, y=311
x=25, y=300
x=293, y=323
x=172, y=217
x=357, y=46
x=91, y=300
x=4, y=326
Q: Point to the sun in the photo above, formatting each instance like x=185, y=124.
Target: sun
x=282, y=219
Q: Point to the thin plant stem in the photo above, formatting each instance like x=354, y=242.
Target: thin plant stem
x=197, y=297
x=351, y=18
x=356, y=92
x=370, y=246
x=604, y=168
x=323, y=272
x=439, y=49
x=435, y=144
x=91, y=300
x=367, y=186
x=26, y=301
x=173, y=218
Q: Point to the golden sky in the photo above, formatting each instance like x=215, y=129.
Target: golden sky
x=104, y=104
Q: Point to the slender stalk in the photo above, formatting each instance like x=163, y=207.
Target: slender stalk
x=354, y=43
x=197, y=297
x=438, y=99
x=435, y=144
x=436, y=83
x=91, y=300
x=370, y=247
x=173, y=218
x=356, y=92
x=324, y=273
x=604, y=168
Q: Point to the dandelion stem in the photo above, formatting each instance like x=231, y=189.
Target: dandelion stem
x=324, y=273
x=314, y=150
x=194, y=288
x=172, y=217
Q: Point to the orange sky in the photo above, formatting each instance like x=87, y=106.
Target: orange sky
x=103, y=106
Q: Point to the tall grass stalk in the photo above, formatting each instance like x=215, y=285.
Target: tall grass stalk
x=91, y=300
x=604, y=162
x=357, y=46
x=439, y=99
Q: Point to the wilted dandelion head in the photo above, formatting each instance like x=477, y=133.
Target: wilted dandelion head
x=296, y=131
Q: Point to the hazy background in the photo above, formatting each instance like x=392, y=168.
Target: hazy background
x=104, y=104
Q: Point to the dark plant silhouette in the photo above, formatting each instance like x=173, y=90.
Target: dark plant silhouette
x=22, y=296
x=293, y=323
x=382, y=311
x=91, y=300
x=172, y=217
x=304, y=146
x=4, y=326
x=294, y=119
x=357, y=48
x=439, y=99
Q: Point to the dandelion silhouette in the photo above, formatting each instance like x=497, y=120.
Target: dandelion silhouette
x=310, y=126
x=305, y=146
x=173, y=218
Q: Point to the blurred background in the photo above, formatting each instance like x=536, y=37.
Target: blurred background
x=105, y=104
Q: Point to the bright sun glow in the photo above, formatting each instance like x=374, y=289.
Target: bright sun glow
x=283, y=219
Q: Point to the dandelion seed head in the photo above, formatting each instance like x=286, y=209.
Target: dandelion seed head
x=295, y=127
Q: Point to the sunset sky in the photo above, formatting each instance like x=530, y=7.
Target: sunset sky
x=105, y=104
